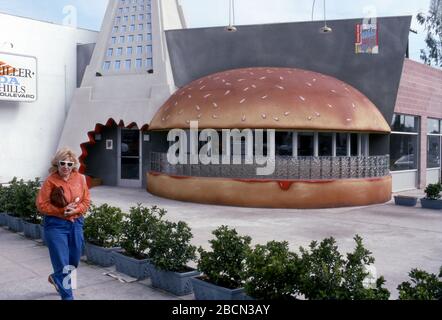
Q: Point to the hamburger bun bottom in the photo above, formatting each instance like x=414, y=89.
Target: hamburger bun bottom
x=296, y=194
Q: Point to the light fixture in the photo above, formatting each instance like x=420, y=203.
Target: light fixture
x=325, y=28
x=231, y=27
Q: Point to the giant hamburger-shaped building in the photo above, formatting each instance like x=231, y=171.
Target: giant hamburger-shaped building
x=323, y=131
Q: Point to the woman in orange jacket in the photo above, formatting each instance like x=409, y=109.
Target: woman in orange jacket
x=63, y=225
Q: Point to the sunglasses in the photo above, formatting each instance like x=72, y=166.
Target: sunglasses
x=66, y=163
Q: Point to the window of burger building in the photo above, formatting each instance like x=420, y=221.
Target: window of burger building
x=341, y=144
x=434, y=137
x=404, y=143
x=293, y=144
x=306, y=144
x=284, y=143
x=330, y=144
x=325, y=144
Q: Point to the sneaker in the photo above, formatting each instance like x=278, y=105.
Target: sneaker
x=51, y=281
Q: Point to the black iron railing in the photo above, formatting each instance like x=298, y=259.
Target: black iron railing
x=286, y=167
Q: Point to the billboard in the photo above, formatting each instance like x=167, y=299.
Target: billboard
x=367, y=38
x=18, y=77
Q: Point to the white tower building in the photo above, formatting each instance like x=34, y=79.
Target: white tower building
x=129, y=76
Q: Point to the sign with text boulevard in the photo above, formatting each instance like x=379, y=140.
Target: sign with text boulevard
x=18, y=78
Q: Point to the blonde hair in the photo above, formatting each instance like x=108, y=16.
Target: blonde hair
x=62, y=155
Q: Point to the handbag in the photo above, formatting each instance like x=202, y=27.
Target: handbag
x=57, y=198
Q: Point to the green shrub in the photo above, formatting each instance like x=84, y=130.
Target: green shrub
x=423, y=286
x=103, y=226
x=170, y=248
x=355, y=274
x=3, y=193
x=272, y=272
x=25, y=201
x=19, y=197
x=9, y=202
x=327, y=275
x=224, y=265
x=138, y=230
x=432, y=191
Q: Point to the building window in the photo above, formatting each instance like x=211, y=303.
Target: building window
x=130, y=38
x=404, y=142
x=306, y=143
x=114, y=40
x=149, y=18
x=129, y=51
x=121, y=39
x=434, y=126
x=434, y=142
x=140, y=27
x=149, y=64
x=132, y=28
x=149, y=51
x=128, y=64
x=109, y=52
x=115, y=29
x=123, y=29
x=106, y=65
x=117, y=20
x=284, y=143
x=126, y=19
x=325, y=144
x=132, y=18
x=149, y=38
x=354, y=150
x=404, y=123
x=139, y=50
x=141, y=17
x=433, y=149
x=119, y=51
x=139, y=63
x=140, y=38
x=120, y=10
x=341, y=144
x=149, y=27
x=117, y=65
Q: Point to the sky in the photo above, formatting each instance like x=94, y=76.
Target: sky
x=207, y=13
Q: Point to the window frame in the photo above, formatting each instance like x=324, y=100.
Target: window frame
x=417, y=133
x=440, y=144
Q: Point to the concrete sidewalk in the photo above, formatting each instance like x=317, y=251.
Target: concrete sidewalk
x=25, y=266
x=400, y=238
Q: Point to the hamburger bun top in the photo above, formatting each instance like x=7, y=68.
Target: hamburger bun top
x=270, y=98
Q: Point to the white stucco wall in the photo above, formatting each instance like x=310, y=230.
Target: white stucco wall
x=30, y=132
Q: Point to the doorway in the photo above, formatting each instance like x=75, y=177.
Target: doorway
x=129, y=158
